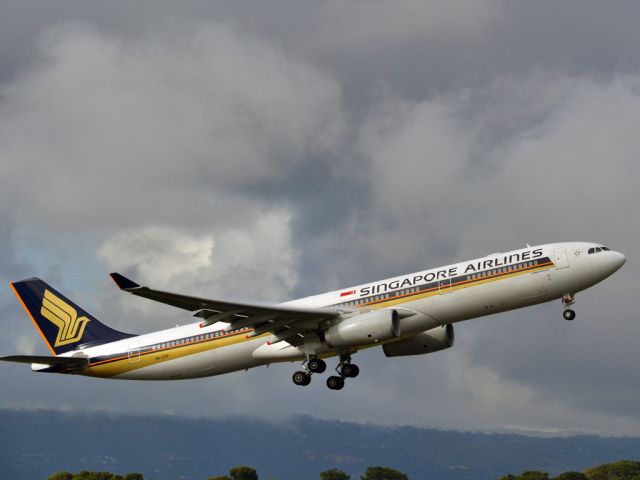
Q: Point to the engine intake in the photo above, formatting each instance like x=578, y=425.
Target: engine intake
x=364, y=329
x=434, y=340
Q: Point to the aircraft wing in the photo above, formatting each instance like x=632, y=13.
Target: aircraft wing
x=285, y=323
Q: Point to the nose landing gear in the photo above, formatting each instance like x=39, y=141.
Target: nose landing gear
x=567, y=301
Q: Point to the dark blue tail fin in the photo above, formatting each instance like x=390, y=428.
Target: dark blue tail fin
x=63, y=325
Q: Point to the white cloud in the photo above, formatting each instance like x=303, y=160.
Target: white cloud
x=256, y=262
x=158, y=253
x=107, y=130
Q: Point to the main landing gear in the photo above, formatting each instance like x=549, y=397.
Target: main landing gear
x=313, y=365
x=567, y=301
x=345, y=369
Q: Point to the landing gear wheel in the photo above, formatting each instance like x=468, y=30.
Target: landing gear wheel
x=335, y=383
x=316, y=365
x=349, y=370
x=302, y=378
x=569, y=314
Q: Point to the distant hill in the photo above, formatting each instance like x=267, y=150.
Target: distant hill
x=35, y=444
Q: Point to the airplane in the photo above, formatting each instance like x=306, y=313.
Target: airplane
x=406, y=315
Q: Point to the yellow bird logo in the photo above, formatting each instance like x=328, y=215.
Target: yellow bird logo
x=65, y=317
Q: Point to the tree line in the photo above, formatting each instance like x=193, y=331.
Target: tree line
x=240, y=473
x=622, y=470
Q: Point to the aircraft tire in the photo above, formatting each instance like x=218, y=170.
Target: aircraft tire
x=317, y=365
x=301, y=378
x=335, y=383
x=569, y=314
x=350, y=370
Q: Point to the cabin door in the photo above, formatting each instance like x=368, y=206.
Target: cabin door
x=560, y=258
x=444, y=286
x=134, y=351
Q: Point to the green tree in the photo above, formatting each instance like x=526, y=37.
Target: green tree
x=134, y=476
x=222, y=477
x=243, y=473
x=571, y=476
x=86, y=475
x=533, y=475
x=383, y=473
x=623, y=470
x=509, y=477
x=334, y=474
x=61, y=476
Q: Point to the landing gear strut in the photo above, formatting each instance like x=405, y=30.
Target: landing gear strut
x=567, y=301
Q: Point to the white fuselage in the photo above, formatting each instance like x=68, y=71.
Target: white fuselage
x=431, y=298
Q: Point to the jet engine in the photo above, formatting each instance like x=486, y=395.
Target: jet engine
x=434, y=340
x=364, y=329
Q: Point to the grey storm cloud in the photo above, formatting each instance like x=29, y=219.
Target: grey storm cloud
x=267, y=150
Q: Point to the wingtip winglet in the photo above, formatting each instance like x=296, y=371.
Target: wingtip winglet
x=123, y=282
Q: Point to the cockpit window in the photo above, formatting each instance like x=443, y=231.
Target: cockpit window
x=591, y=250
x=597, y=250
x=606, y=249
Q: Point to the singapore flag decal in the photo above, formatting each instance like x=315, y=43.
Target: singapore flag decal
x=346, y=294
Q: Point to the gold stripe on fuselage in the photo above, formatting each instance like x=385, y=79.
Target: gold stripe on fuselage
x=123, y=364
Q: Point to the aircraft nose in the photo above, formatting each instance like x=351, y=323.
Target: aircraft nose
x=618, y=259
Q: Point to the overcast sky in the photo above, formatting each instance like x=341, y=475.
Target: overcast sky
x=267, y=150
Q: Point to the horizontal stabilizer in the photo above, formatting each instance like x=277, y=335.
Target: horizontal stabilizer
x=65, y=364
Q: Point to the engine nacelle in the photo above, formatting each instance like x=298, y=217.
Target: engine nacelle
x=364, y=329
x=434, y=340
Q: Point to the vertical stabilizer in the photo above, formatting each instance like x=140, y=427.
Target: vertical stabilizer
x=63, y=324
